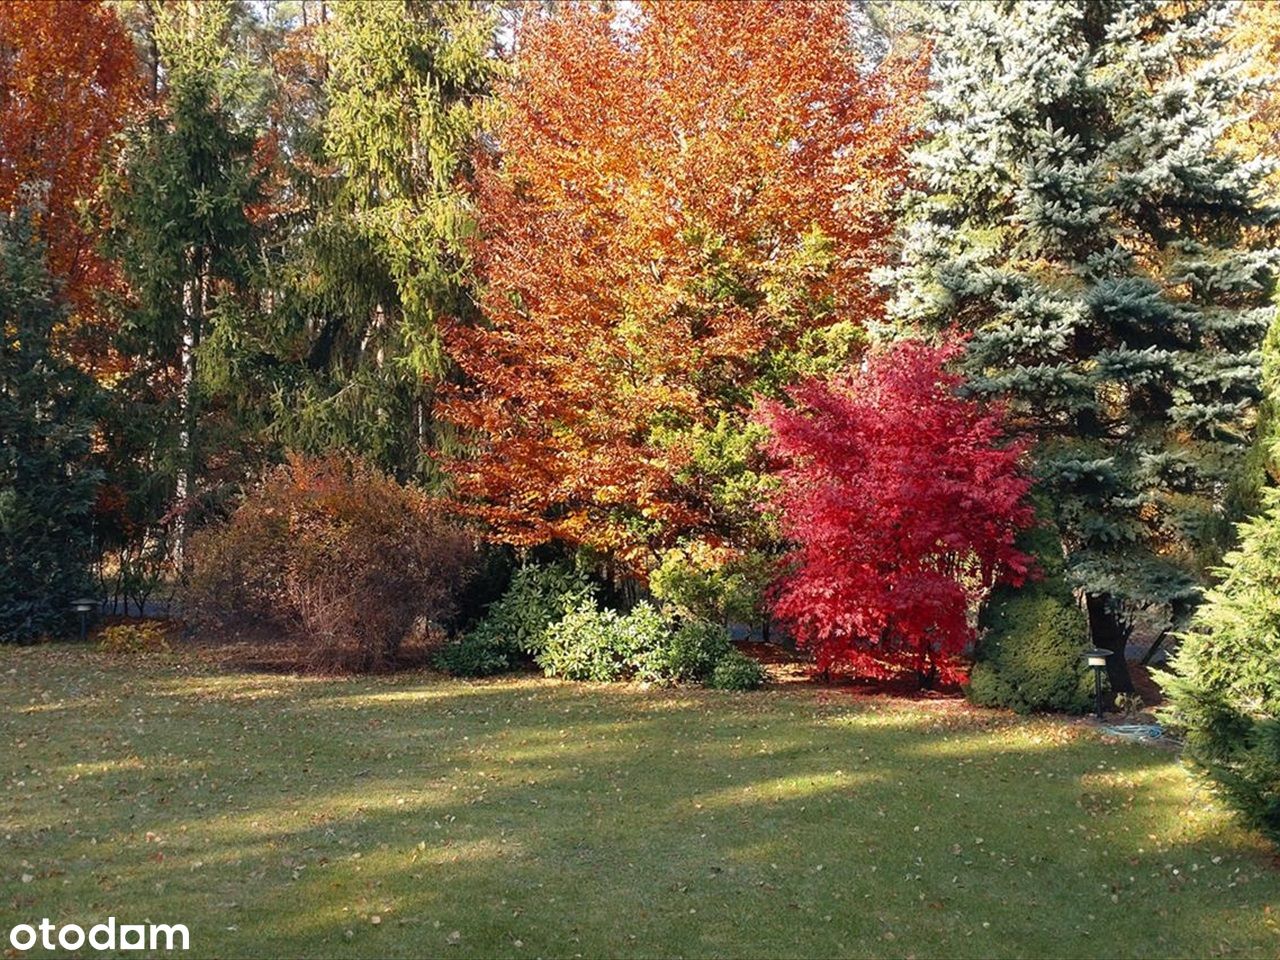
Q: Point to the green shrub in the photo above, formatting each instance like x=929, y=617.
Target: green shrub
x=539, y=596
x=145, y=636
x=1029, y=657
x=594, y=644
x=1031, y=638
x=515, y=626
x=687, y=654
x=1224, y=692
x=552, y=614
x=737, y=671
x=475, y=655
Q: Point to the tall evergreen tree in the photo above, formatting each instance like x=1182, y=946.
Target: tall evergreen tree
x=378, y=112
x=47, y=487
x=404, y=83
x=1077, y=213
x=179, y=226
x=406, y=88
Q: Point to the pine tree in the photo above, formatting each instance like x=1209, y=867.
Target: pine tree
x=405, y=85
x=1077, y=213
x=1262, y=463
x=385, y=257
x=47, y=488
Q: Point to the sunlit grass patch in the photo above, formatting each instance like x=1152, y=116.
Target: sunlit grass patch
x=414, y=815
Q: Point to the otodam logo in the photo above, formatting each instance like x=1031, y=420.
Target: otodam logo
x=101, y=936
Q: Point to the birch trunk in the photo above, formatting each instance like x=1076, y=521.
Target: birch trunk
x=193, y=306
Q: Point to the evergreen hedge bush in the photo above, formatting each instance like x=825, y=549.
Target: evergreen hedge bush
x=1028, y=655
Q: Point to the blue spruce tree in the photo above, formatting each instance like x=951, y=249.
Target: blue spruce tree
x=1077, y=216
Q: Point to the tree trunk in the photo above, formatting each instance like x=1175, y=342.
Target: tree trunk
x=193, y=303
x=153, y=50
x=927, y=672
x=1106, y=631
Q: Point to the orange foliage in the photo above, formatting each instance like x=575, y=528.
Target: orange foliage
x=678, y=200
x=298, y=68
x=1257, y=35
x=68, y=79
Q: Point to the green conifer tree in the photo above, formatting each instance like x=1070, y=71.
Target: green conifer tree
x=180, y=230
x=377, y=255
x=1077, y=215
x=1224, y=693
x=1262, y=465
x=47, y=486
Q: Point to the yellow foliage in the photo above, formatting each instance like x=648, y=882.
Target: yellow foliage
x=145, y=636
x=1257, y=34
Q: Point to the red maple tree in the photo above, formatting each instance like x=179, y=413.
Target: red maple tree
x=903, y=503
x=68, y=79
x=678, y=201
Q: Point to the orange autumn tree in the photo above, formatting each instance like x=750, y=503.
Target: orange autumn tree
x=681, y=211
x=68, y=79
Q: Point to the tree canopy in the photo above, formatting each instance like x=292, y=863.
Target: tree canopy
x=1075, y=209
x=675, y=212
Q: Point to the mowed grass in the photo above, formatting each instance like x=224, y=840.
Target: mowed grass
x=420, y=816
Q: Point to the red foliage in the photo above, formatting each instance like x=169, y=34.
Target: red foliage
x=903, y=508
x=68, y=80
x=675, y=206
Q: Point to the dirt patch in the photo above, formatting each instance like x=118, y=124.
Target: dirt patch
x=1145, y=684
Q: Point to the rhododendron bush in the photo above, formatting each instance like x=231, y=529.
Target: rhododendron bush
x=902, y=499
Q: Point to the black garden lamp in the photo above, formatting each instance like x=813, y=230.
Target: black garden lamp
x=83, y=606
x=1097, y=661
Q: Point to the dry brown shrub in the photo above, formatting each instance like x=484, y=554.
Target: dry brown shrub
x=336, y=556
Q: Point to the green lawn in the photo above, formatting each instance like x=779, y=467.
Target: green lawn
x=415, y=815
